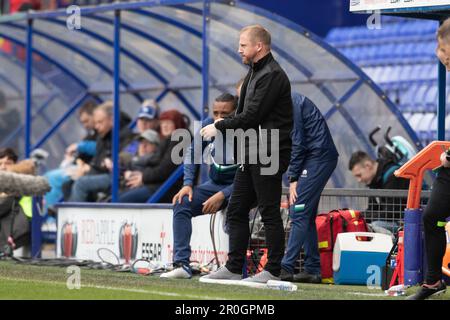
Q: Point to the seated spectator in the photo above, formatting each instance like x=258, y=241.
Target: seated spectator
x=208, y=197
x=77, y=154
x=15, y=212
x=147, y=155
x=95, y=177
x=147, y=119
x=379, y=174
x=142, y=184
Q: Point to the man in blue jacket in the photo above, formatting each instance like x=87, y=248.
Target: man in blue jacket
x=313, y=160
x=206, y=198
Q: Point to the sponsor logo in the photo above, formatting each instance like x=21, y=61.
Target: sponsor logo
x=152, y=251
x=69, y=239
x=128, y=240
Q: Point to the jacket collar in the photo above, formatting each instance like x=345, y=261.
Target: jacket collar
x=377, y=182
x=262, y=62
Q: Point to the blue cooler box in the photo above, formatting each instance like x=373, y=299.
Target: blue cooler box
x=353, y=258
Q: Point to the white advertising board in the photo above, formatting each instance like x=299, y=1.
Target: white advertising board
x=371, y=5
x=134, y=234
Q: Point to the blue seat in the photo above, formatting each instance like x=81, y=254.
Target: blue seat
x=429, y=27
x=406, y=71
x=335, y=35
x=407, y=98
x=359, y=33
x=418, y=49
x=418, y=104
x=431, y=98
x=398, y=60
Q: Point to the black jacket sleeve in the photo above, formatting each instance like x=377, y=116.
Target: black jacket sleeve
x=160, y=172
x=260, y=105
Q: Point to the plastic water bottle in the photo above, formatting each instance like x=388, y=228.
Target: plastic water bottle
x=281, y=285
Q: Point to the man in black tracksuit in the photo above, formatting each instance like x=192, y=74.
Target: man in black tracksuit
x=265, y=104
x=434, y=221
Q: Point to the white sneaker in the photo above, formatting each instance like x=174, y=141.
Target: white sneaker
x=223, y=274
x=177, y=273
x=261, y=277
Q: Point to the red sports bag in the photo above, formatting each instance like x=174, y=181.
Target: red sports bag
x=329, y=225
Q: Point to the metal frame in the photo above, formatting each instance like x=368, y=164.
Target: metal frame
x=437, y=13
x=28, y=87
x=134, y=57
x=115, y=137
x=79, y=51
x=137, y=7
x=64, y=117
x=342, y=59
x=54, y=93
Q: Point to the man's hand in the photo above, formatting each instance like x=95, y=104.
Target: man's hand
x=108, y=164
x=213, y=204
x=127, y=174
x=444, y=161
x=208, y=132
x=70, y=150
x=135, y=180
x=186, y=190
x=292, y=193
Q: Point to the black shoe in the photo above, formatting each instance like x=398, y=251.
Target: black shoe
x=286, y=275
x=305, y=277
x=425, y=292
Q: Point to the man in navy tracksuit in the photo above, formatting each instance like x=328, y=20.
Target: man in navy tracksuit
x=313, y=160
x=208, y=197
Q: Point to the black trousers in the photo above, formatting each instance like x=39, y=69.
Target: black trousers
x=436, y=212
x=251, y=187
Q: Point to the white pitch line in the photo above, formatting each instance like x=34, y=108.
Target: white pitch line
x=168, y=294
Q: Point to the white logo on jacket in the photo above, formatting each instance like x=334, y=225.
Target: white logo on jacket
x=304, y=174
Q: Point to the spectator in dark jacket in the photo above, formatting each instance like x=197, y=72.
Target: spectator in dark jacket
x=379, y=174
x=208, y=197
x=96, y=176
x=144, y=183
x=147, y=155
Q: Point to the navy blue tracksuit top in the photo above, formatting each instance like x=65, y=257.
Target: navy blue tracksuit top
x=311, y=138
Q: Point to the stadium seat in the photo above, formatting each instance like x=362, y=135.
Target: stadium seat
x=431, y=98
x=400, y=58
x=406, y=71
x=424, y=127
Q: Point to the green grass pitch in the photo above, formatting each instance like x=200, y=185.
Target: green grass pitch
x=36, y=282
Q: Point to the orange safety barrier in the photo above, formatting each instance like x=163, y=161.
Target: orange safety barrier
x=414, y=169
